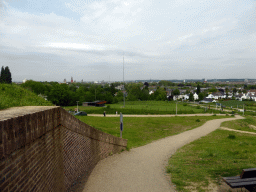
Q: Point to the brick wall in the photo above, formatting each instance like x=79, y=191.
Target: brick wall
x=50, y=150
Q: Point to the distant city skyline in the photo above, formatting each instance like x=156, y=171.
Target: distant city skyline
x=170, y=39
x=242, y=80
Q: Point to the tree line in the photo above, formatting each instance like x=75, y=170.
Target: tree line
x=68, y=94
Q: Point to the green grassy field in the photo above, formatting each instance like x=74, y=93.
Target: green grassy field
x=235, y=103
x=12, y=95
x=249, y=106
x=143, y=107
x=242, y=124
x=219, y=154
x=140, y=131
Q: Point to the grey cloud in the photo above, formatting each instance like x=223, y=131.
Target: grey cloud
x=117, y=52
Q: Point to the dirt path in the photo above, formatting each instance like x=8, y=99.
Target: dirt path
x=143, y=168
x=234, y=130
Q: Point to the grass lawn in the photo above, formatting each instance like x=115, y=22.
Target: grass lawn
x=141, y=131
x=242, y=124
x=219, y=154
x=143, y=107
x=235, y=103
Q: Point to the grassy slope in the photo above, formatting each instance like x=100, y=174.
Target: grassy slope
x=140, y=131
x=12, y=95
x=219, y=154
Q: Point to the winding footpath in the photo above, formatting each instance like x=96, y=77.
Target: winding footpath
x=143, y=168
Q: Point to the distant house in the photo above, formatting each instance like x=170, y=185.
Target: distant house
x=95, y=103
x=177, y=97
x=152, y=91
x=120, y=87
x=195, y=96
x=186, y=97
x=240, y=96
x=207, y=100
x=251, y=94
x=216, y=95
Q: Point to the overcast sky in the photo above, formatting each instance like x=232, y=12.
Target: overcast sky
x=49, y=40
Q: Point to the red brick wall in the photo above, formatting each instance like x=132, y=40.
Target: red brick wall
x=50, y=151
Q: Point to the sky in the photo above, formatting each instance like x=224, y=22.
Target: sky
x=94, y=40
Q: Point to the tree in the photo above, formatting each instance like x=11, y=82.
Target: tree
x=60, y=95
x=176, y=92
x=234, y=91
x=213, y=89
x=201, y=96
x=36, y=87
x=191, y=97
x=120, y=96
x=6, y=76
x=198, y=89
x=2, y=75
x=160, y=94
x=226, y=90
x=146, y=84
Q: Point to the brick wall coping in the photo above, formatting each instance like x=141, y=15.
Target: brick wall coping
x=19, y=111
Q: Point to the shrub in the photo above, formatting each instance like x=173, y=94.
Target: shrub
x=230, y=136
x=198, y=120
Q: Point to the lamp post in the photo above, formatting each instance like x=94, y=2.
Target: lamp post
x=123, y=79
x=77, y=105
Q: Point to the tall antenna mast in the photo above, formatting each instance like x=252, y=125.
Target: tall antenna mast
x=123, y=78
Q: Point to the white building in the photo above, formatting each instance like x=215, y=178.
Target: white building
x=195, y=96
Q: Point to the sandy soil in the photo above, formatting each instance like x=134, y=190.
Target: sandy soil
x=143, y=168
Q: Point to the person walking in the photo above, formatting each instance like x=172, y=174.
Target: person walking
x=104, y=113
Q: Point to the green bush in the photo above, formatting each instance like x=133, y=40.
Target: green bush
x=198, y=120
x=230, y=136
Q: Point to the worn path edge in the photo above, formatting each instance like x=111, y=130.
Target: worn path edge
x=143, y=168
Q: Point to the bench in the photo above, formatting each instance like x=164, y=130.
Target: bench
x=247, y=179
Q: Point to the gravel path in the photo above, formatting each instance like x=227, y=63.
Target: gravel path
x=143, y=168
